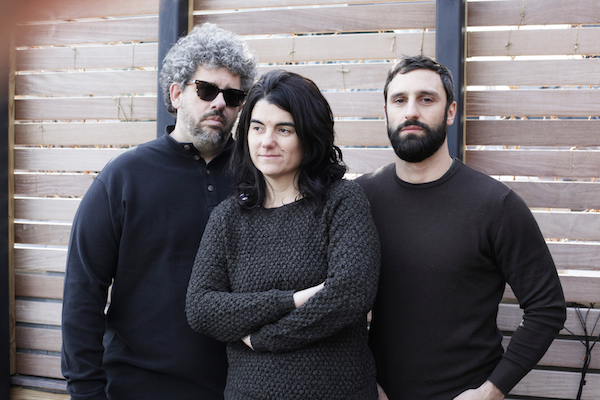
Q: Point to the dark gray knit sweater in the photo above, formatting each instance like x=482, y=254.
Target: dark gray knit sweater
x=248, y=266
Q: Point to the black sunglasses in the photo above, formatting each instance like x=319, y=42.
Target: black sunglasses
x=208, y=92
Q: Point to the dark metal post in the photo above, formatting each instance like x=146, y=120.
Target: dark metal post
x=173, y=22
x=450, y=34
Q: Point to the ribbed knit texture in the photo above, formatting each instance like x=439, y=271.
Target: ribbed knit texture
x=247, y=268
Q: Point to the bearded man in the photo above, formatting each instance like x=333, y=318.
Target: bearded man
x=451, y=239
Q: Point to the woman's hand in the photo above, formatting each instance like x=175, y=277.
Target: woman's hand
x=302, y=296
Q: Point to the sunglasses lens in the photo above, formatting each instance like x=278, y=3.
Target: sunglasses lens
x=207, y=92
x=233, y=98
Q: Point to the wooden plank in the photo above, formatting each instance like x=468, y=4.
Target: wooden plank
x=533, y=12
x=359, y=18
x=549, y=163
x=59, y=159
x=73, y=9
x=39, y=338
x=39, y=383
x=116, y=55
x=557, y=385
x=535, y=102
x=85, y=133
x=38, y=312
x=569, y=225
x=78, y=32
x=570, y=41
x=565, y=353
x=42, y=234
x=368, y=46
x=39, y=365
x=577, y=289
x=581, y=256
x=340, y=76
x=39, y=285
x=361, y=133
x=52, y=184
x=95, y=83
x=46, y=209
x=363, y=161
x=528, y=132
x=40, y=259
x=577, y=196
x=202, y=5
x=21, y=393
x=356, y=104
x=534, y=73
x=125, y=108
x=510, y=315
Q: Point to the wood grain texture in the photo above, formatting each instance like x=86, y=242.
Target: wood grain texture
x=577, y=289
x=46, y=209
x=579, y=256
x=42, y=234
x=39, y=338
x=557, y=385
x=38, y=312
x=52, y=184
x=39, y=286
x=22, y=393
x=577, y=196
x=62, y=159
x=565, y=353
x=39, y=365
x=361, y=133
x=74, y=9
x=201, y=5
x=569, y=225
x=356, y=104
x=40, y=259
x=570, y=41
x=534, y=102
x=529, y=132
x=363, y=161
x=358, y=18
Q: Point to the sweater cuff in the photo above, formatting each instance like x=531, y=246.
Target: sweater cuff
x=287, y=305
x=506, y=375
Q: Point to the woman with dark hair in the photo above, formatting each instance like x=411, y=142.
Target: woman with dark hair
x=288, y=267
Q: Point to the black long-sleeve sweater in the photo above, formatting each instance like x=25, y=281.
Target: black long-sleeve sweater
x=448, y=249
x=248, y=266
x=140, y=224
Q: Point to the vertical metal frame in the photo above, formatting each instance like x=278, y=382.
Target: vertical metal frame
x=174, y=21
x=451, y=25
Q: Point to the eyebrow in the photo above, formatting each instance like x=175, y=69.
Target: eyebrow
x=291, y=124
x=422, y=92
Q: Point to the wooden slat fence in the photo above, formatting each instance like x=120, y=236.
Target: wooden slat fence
x=86, y=89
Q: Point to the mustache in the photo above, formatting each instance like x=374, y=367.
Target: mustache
x=411, y=123
x=215, y=113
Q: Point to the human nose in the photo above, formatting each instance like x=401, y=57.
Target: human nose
x=412, y=112
x=218, y=102
x=268, y=139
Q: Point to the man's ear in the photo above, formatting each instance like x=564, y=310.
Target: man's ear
x=175, y=93
x=451, y=113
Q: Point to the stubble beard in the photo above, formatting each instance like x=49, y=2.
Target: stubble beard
x=416, y=148
x=209, y=140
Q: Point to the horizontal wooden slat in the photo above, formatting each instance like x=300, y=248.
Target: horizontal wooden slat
x=557, y=385
x=534, y=73
x=85, y=133
x=565, y=354
x=117, y=107
x=340, y=76
x=42, y=234
x=38, y=312
x=356, y=104
x=577, y=196
x=202, y=5
x=359, y=18
x=361, y=133
x=21, y=393
x=38, y=338
x=534, y=42
x=39, y=285
x=58, y=159
x=528, y=132
x=39, y=365
x=362, y=161
x=46, y=209
x=549, y=163
x=77, y=32
x=40, y=259
x=116, y=55
x=42, y=184
x=577, y=289
x=535, y=102
x=533, y=12
x=581, y=256
x=87, y=83
x=569, y=225
x=510, y=315
x=381, y=46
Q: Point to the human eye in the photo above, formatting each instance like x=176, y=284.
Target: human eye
x=254, y=127
x=399, y=100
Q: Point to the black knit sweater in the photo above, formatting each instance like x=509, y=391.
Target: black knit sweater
x=247, y=268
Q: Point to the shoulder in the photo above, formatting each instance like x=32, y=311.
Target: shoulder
x=373, y=179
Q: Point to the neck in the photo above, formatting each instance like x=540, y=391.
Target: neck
x=428, y=170
x=281, y=193
x=206, y=152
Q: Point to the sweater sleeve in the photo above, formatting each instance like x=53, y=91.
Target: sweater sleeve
x=525, y=260
x=350, y=286
x=211, y=307
x=91, y=263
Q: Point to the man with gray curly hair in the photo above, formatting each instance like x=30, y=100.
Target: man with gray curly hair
x=138, y=229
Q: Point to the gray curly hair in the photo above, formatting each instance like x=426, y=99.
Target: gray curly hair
x=209, y=46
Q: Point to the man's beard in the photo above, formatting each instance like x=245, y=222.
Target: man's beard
x=413, y=148
x=209, y=139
